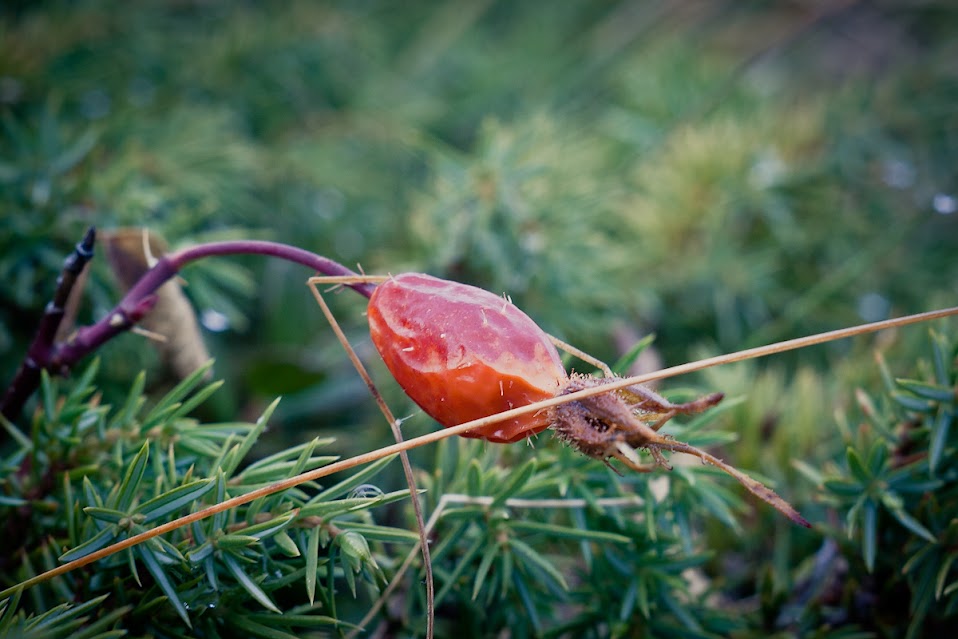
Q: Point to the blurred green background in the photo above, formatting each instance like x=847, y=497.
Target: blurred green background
x=723, y=174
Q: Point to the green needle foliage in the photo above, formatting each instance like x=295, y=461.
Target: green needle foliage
x=516, y=543
x=89, y=475
x=896, y=487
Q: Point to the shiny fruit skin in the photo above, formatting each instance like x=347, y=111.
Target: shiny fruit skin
x=462, y=353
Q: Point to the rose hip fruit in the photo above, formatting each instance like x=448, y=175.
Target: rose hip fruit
x=462, y=353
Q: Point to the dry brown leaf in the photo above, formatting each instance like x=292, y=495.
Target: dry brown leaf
x=131, y=252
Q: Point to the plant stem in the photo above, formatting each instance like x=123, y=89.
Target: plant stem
x=38, y=356
x=60, y=357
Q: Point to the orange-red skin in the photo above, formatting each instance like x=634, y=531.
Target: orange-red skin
x=462, y=353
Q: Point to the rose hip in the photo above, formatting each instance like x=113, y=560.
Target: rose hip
x=462, y=353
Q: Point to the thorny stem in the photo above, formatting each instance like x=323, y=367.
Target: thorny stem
x=45, y=354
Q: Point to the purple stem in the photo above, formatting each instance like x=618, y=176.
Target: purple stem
x=139, y=301
x=28, y=375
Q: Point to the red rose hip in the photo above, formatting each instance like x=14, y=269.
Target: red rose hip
x=462, y=353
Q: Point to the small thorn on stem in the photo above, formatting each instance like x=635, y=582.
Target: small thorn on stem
x=85, y=247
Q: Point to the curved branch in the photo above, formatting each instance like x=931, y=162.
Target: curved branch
x=60, y=357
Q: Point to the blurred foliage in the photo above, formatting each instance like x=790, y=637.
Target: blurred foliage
x=724, y=174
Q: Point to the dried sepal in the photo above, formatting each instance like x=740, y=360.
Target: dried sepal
x=614, y=425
